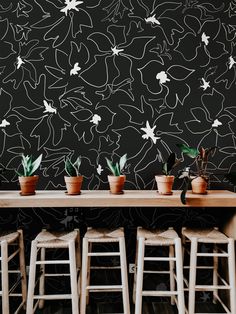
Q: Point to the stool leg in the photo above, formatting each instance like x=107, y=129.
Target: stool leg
x=179, y=275
x=22, y=267
x=78, y=259
x=215, y=277
x=88, y=275
x=32, y=272
x=5, y=282
x=73, y=278
x=42, y=278
x=192, y=275
x=135, y=272
x=183, y=247
x=124, y=277
x=84, y=276
x=139, y=285
x=231, y=266
x=172, y=279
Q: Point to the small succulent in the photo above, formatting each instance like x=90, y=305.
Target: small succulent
x=72, y=168
x=116, y=169
x=29, y=165
x=171, y=162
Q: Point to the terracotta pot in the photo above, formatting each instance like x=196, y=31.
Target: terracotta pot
x=73, y=184
x=116, y=184
x=164, y=184
x=199, y=185
x=28, y=185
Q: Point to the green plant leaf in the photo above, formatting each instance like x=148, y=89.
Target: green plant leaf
x=171, y=162
x=123, y=160
x=111, y=167
x=164, y=168
x=191, y=152
x=185, y=189
x=210, y=151
x=183, y=196
x=77, y=164
x=35, y=164
x=69, y=168
x=117, y=169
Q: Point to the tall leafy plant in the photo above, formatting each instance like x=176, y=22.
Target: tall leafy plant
x=29, y=165
x=201, y=158
x=116, y=168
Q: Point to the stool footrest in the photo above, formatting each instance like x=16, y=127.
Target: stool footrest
x=105, y=267
x=200, y=267
x=155, y=293
x=53, y=262
x=156, y=259
x=104, y=254
x=156, y=272
x=211, y=288
x=53, y=297
x=213, y=254
x=113, y=288
x=56, y=275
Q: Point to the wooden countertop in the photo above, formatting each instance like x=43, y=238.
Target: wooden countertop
x=103, y=198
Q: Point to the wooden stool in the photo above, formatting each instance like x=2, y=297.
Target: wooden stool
x=167, y=238
x=7, y=240
x=103, y=236
x=50, y=240
x=215, y=237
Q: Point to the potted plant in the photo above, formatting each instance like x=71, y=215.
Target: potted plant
x=199, y=179
x=27, y=179
x=117, y=179
x=73, y=179
x=165, y=181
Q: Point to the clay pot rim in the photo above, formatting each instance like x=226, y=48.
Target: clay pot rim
x=163, y=175
x=36, y=176
x=73, y=176
x=205, y=178
x=111, y=175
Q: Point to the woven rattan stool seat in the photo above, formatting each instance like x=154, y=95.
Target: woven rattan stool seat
x=158, y=237
x=211, y=235
x=55, y=239
x=104, y=235
x=9, y=236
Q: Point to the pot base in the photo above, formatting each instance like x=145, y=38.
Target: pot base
x=72, y=193
x=117, y=193
x=204, y=193
x=167, y=193
x=27, y=194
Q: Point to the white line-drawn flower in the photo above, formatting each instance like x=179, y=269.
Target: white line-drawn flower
x=212, y=120
x=172, y=81
x=62, y=18
x=204, y=41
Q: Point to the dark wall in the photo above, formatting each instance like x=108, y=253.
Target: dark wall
x=102, y=78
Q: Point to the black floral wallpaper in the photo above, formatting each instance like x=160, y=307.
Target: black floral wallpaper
x=100, y=78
